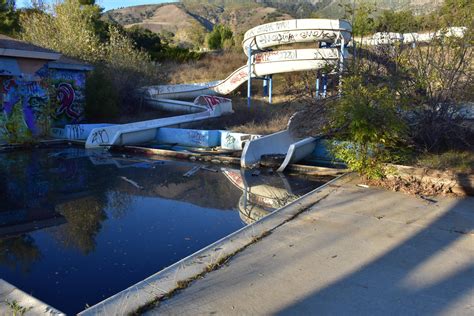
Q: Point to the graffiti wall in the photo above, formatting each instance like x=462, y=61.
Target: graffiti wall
x=69, y=96
x=31, y=105
x=23, y=108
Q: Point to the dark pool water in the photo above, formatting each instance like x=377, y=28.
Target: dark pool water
x=78, y=226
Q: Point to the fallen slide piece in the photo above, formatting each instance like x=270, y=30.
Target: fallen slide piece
x=283, y=143
x=298, y=151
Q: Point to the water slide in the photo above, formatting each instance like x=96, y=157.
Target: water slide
x=146, y=131
x=258, y=42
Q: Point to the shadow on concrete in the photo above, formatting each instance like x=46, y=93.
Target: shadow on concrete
x=394, y=283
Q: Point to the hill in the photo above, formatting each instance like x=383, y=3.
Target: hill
x=187, y=22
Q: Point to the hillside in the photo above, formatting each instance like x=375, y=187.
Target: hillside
x=187, y=22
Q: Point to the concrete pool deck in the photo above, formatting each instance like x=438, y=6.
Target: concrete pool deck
x=358, y=250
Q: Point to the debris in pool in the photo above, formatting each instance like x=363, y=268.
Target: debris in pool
x=256, y=173
x=192, y=171
x=136, y=185
x=209, y=169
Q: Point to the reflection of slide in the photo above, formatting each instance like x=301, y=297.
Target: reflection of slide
x=261, y=38
x=260, y=195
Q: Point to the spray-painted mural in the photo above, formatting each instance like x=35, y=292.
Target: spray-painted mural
x=69, y=96
x=31, y=106
x=24, y=107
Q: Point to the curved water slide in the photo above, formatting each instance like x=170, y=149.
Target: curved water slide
x=256, y=44
x=264, y=61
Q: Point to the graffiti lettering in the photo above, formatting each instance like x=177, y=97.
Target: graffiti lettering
x=286, y=37
x=76, y=131
x=100, y=137
x=239, y=77
x=275, y=56
x=229, y=140
x=197, y=137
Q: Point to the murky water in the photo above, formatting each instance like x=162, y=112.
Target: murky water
x=77, y=227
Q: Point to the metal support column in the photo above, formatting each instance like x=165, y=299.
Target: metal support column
x=270, y=88
x=324, y=79
x=249, y=79
x=317, y=87
x=341, y=63
x=265, y=86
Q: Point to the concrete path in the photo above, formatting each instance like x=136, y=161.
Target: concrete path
x=14, y=301
x=358, y=251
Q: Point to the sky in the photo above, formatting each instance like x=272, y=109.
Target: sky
x=109, y=4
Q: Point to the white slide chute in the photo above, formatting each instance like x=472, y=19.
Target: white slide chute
x=260, y=39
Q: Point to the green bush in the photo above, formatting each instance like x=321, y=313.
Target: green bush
x=220, y=37
x=367, y=124
x=102, y=98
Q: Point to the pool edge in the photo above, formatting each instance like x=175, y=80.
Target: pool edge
x=166, y=281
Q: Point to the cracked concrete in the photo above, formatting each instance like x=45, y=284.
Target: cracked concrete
x=359, y=250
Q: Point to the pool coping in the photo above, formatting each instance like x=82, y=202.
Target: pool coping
x=163, y=283
x=30, y=304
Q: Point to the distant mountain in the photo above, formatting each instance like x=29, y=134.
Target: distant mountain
x=334, y=8
x=187, y=22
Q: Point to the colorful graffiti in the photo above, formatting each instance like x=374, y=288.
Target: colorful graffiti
x=69, y=91
x=23, y=105
x=31, y=107
x=65, y=95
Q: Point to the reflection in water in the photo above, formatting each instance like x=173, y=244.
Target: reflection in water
x=73, y=232
x=84, y=217
x=260, y=195
x=18, y=252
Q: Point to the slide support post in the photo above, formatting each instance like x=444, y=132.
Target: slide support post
x=324, y=79
x=249, y=80
x=265, y=86
x=341, y=64
x=270, y=88
x=317, y=87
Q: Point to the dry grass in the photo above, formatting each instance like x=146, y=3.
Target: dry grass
x=458, y=161
x=291, y=93
x=261, y=118
x=210, y=67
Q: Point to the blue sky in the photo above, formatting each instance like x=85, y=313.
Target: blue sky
x=109, y=4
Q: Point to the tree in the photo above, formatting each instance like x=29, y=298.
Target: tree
x=71, y=29
x=457, y=13
x=400, y=22
x=9, y=22
x=146, y=40
x=220, y=35
x=361, y=16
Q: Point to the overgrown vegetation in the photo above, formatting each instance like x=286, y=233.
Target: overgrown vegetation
x=398, y=98
x=8, y=17
x=73, y=29
x=220, y=37
x=367, y=123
